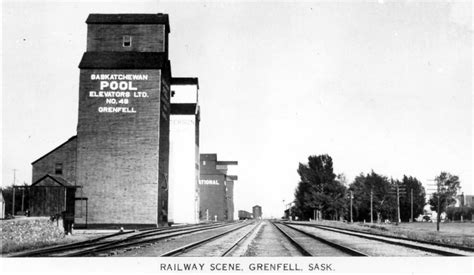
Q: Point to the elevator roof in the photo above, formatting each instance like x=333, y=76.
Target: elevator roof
x=129, y=18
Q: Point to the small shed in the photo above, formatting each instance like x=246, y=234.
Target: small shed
x=52, y=195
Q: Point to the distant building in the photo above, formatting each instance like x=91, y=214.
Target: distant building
x=257, y=212
x=469, y=200
x=464, y=200
x=216, y=189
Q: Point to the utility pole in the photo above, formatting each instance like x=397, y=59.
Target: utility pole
x=371, y=205
x=13, y=202
x=398, y=204
x=438, y=214
x=437, y=193
x=289, y=211
x=411, y=201
x=22, y=198
x=351, y=208
x=13, y=205
x=284, y=205
x=284, y=209
x=320, y=212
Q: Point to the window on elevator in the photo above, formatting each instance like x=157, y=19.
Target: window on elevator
x=58, y=168
x=127, y=41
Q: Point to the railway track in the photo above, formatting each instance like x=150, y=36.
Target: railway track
x=311, y=245
x=233, y=239
x=215, y=243
x=118, y=240
x=239, y=242
x=428, y=247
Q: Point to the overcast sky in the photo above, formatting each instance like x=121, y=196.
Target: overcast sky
x=377, y=85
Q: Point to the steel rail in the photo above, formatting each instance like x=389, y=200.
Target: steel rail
x=343, y=248
x=131, y=241
x=300, y=248
x=238, y=242
x=182, y=249
x=173, y=229
x=384, y=239
x=465, y=248
x=96, y=242
x=66, y=247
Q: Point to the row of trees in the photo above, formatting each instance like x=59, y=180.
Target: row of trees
x=321, y=190
x=384, y=199
x=21, y=196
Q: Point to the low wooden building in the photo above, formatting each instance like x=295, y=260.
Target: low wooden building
x=52, y=195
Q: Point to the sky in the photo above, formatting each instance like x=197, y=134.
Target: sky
x=377, y=85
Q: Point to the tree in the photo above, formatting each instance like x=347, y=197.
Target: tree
x=302, y=208
x=318, y=189
x=384, y=204
x=342, y=179
x=459, y=213
x=336, y=203
x=7, y=192
x=419, y=201
x=447, y=186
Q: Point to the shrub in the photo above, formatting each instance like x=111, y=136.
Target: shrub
x=455, y=213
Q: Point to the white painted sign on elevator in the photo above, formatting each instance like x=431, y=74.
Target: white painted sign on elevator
x=117, y=89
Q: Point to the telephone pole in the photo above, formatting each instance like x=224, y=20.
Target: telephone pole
x=371, y=205
x=23, y=197
x=438, y=214
x=351, y=207
x=411, y=202
x=398, y=204
x=13, y=202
